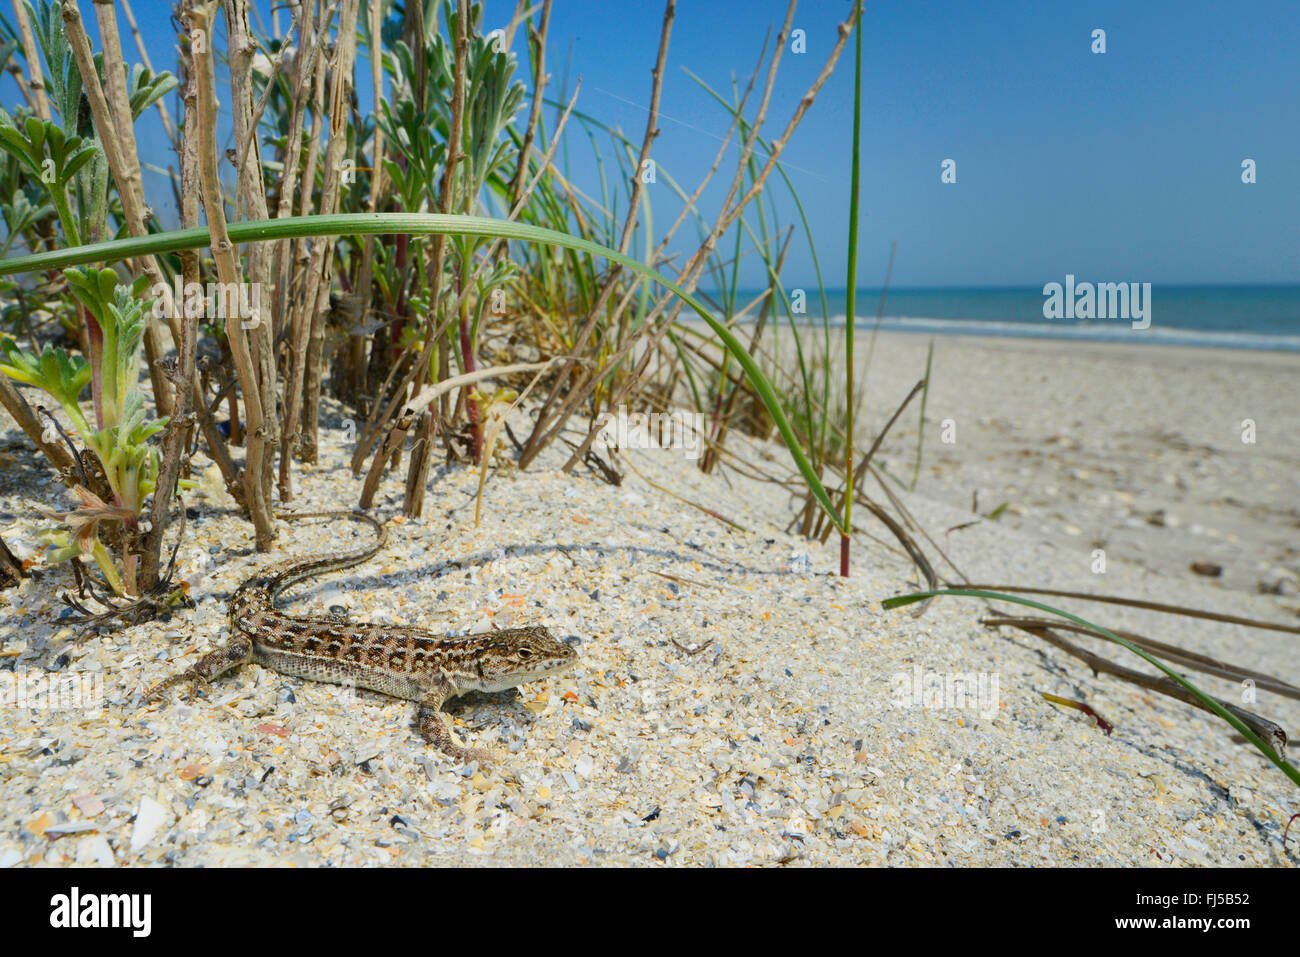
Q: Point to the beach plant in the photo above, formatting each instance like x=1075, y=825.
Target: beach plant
x=58, y=161
x=121, y=428
x=446, y=150
x=430, y=224
x=444, y=138
x=48, y=156
x=623, y=333
x=66, y=157
x=806, y=383
x=471, y=128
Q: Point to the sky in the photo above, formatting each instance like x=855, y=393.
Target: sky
x=1117, y=166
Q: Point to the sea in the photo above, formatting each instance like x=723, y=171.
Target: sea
x=1220, y=316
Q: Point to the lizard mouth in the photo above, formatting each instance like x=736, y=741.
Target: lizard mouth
x=552, y=670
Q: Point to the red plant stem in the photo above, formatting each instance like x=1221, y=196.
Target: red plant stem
x=95, y=337
x=345, y=281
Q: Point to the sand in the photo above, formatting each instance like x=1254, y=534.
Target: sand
x=1161, y=456
x=736, y=702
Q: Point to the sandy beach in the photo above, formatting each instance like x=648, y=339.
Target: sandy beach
x=735, y=701
x=1162, y=456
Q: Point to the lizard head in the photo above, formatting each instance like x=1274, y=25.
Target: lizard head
x=517, y=656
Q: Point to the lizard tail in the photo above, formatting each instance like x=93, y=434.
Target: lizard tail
x=276, y=579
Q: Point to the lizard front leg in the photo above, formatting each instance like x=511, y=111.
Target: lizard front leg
x=237, y=652
x=436, y=728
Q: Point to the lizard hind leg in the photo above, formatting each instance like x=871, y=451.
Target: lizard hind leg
x=235, y=653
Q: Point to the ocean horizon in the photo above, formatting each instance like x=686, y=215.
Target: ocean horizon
x=1263, y=317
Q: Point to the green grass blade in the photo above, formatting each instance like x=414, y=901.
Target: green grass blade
x=850, y=290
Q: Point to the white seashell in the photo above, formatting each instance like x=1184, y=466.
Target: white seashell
x=148, y=819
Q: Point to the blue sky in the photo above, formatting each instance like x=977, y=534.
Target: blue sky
x=1117, y=166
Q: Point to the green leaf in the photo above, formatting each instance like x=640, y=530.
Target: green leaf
x=37, y=132
x=61, y=375
x=21, y=366
x=6, y=51
x=17, y=146
x=79, y=159
x=144, y=89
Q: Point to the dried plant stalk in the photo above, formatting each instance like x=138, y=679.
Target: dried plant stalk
x=340, y=95
x=302, y=392
x=35, y=82
x=538, y=39
x=537, y=439
x=113, y=124
x=11, y=569
x=264, y=438
x=417, y=477
x=256, y=492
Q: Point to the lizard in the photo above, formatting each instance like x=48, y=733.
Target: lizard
x=398, y=660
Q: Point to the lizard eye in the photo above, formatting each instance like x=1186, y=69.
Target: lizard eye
x=525, y=652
